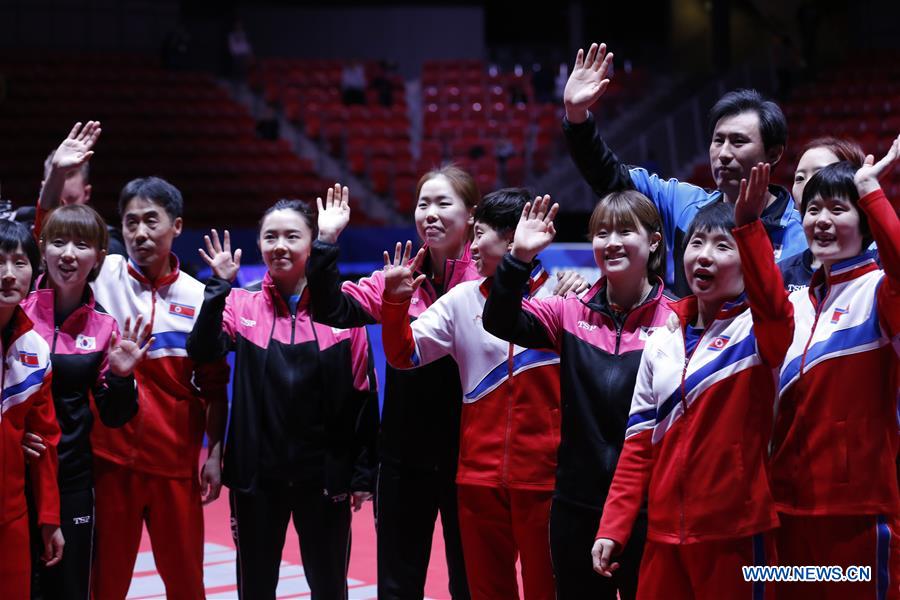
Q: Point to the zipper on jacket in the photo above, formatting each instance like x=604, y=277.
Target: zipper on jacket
x=55, y=335
x=619, y=327
x=682, y=475
x=293, y=326
x=812, y=332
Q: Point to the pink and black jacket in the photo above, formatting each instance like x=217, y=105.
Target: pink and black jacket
x=423, y=436
x=79, y=349
x=305, y=405
x=599, y=356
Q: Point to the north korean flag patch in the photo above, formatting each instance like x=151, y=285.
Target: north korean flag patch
x=29, y=359
x=719, y=343
x=837, y=314
x=182, y=310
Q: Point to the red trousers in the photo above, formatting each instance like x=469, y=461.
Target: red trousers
x=865, y=540
x=497, y=525
x=705, y=570
x=172, y=510
x=15, y=560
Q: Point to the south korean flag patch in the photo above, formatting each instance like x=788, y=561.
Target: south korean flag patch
x=84, y=342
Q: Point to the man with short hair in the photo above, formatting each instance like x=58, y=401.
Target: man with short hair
x=745, y=129
x=147, y=471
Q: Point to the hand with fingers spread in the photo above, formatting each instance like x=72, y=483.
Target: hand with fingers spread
x=400, y=282
x=129, y=349
x=218, y=256
x=535, y=230
x=33, y=446
x=587, y=82
x=753, y=196
x=75, y=150
x=601, y=554
x=334, y=215
x=867, y=176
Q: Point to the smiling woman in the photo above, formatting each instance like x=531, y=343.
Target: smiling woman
x=304, y=409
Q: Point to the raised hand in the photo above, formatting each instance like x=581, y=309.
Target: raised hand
x=867, y=176
x=535, y=230
x=218, y=256
x=753, y=197
x=334, y=215
x=400, y=282
x=75, y=150
x=601, y=554
x=587, y=82
x=129, y=349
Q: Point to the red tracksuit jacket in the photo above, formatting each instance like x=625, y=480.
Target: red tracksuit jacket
x=696, y=444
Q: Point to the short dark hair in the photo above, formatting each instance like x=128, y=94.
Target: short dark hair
x=298, y=206
x=156, y=190
x=502, y=209
x=837, y=181
x=13, y=235
x=716, y=216
x=772, y=124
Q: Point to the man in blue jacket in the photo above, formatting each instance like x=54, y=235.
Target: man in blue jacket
x=745, y=129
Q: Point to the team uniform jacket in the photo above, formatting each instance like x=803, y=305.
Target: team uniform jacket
x=835, y=440
x=599, y=356
x=26, y=404
x=300, y=390
x=423, y=436
x=697, y=437
x=678, y=202
x=165, y=436
x=510, y=414
x=78, y=351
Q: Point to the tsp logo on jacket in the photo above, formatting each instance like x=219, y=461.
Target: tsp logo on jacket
x=29, y=359
x=719, y=343
x=181, y=310
x=838, y=313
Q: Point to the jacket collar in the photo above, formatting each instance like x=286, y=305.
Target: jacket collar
x=842, y=271
x=135, y=271
x=687, y=309
x=274, y=296
x=536, y=280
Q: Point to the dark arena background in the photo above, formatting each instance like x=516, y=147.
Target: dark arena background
x=239, y=104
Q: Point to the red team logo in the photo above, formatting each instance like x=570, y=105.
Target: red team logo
x=718, y=344
x=181, y=310
x=29, y=359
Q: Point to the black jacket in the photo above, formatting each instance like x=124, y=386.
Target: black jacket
x=305, y=405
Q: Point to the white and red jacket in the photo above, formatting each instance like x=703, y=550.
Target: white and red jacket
x=166, y=435
x=509, y=431
x=698, y=432
x=26, y=404
x=835, y=439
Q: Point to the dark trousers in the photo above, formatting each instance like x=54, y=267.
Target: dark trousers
x=71, y=578
x=572, y=532
x=323, y=525
x=406, y=507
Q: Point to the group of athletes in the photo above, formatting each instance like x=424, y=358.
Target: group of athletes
x=614, y=439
